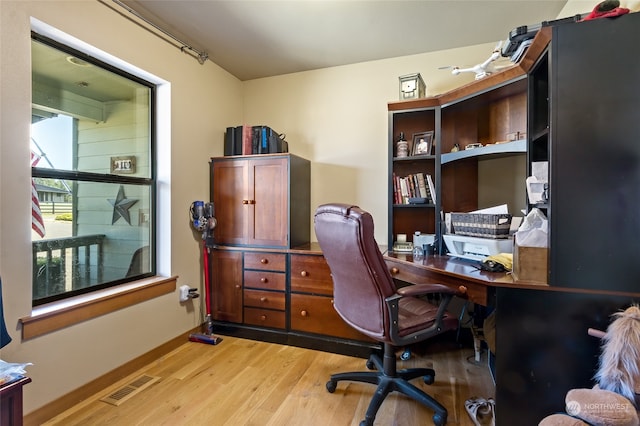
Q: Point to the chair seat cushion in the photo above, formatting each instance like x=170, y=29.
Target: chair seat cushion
x=417, y=314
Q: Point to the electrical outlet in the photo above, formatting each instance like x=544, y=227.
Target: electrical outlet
x=184, y=293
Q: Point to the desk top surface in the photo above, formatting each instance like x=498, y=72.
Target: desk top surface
x=467, y=270
x=460, y=268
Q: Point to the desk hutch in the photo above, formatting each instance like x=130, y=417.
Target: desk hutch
x=575, y=96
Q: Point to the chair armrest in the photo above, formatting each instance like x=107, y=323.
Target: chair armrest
x=393, y=305
x=422, y=289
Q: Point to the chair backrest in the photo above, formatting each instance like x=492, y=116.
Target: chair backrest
x=361, y=281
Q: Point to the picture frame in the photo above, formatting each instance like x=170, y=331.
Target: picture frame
x=123, y=165
x=422, y=143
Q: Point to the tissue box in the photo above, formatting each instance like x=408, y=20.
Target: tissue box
x=530, y=264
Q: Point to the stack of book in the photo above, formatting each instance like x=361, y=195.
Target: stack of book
x=416, y=186
x=249, y=140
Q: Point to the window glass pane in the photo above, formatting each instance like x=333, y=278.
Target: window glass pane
x=102, y=235
x=111, y=112
x=93, y=190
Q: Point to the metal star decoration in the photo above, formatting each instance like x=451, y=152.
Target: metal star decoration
x=121, y=206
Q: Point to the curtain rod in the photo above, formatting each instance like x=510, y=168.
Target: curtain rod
x=184, y=47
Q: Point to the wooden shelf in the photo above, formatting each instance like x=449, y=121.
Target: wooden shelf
x=492, y=151
x=415, y=158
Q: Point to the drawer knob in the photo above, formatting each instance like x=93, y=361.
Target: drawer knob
x=462, y=289
x=394, y=271
x=263, y=317
x=264, y=280
x=263, y=299
x=238, y=286
x=304, y=313
x=304, y=273
x=245, y=201
x=264, y=261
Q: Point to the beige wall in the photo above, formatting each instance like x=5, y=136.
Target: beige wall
x=336, y=118
x=204, y=100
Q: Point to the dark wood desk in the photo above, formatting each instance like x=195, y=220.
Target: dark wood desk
x=460, y=274
x=11, y=402
x=542, y=345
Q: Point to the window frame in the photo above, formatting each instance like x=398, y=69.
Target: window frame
x=150, y=182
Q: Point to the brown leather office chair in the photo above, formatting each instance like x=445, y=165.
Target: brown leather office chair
x=366, y=297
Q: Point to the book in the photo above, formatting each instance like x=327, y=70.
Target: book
x=404, y=191
x=422, y=186
x=256, y=135
x=432, y=188
x=229, y=141
x=247, y=140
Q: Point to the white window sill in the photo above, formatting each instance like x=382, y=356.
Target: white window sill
x=54, y=316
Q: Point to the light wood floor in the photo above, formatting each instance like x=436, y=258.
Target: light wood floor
x=246, y=382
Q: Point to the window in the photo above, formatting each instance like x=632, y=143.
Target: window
x=93, y=170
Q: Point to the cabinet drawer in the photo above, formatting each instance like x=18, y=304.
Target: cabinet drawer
x=311, y=274
x=264, y=279
x=264, y=317
x=476, y=293
x=265, y=261
x=315, y=314
x=264, y=299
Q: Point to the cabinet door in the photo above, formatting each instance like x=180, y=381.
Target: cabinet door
x=268, y=212
x=230, y=195
x=595, y=134
x=226, y=294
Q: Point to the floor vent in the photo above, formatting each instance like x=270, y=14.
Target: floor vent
x=128, y=391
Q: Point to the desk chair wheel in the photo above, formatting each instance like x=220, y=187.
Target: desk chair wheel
x=405, y=355
x=429, y=379
x=439, y=420
x=331, y=386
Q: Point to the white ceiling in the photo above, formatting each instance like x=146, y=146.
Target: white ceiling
x=253, y=39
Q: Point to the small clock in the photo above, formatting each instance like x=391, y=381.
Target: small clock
x=412, y=87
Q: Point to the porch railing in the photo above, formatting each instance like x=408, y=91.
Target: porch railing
x=52, y=272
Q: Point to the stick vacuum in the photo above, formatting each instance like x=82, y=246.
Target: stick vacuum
x=203, y=215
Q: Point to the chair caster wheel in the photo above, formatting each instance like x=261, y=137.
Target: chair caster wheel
x=405, y=355
x=370, y=365
x=439, y=420
x=428, y=379
x=331, y=386
x=366, y=422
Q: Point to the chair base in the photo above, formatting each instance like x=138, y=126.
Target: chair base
x=389, y=380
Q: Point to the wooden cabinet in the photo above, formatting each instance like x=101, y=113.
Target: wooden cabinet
x=268, y=281
x=264, y=289
x=261, y=201
x=594, y=135
x=11, y=402
x=226, y=303
x=312, y=299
